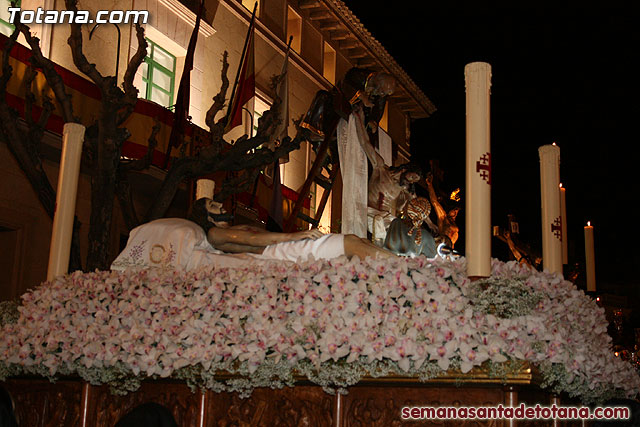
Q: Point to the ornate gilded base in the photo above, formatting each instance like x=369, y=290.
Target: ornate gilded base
x=372, y=402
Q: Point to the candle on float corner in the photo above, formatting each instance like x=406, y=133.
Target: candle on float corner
x=205, y=188
x=550, y=203
x=68, y=177
x=589, y=255
x=478, y=170
x=563, y=213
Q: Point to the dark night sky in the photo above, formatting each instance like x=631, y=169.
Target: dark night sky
x=559, y=74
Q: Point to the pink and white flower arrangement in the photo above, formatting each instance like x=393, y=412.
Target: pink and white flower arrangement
x=333, y=321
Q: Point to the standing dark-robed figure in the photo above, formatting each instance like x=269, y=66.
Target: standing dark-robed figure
x=361, y=86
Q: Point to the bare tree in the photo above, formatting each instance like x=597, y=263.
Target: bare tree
x=25, y=145
x=105, y=137
x=247, y=155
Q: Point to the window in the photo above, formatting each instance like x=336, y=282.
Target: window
x=5, y=27
x=159, y=74
x=329, y=63
x=294, y=29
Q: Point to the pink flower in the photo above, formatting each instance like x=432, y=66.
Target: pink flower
x=442, y=354
x=409, y=311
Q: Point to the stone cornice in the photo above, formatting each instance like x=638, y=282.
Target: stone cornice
x=188, y=16
x=375, y=49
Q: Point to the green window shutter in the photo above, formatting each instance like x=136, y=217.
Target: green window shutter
x=6, y=28
x=159, y=75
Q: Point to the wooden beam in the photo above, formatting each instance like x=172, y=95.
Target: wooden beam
x=401, y=92
x=368, y=62
x=319, y=15
x=309, y=4
x=357, y=53
x=399, y=95
x=340, y=34
x=330, y=26
x=405, y=108
x=348, y=44
x=406, y=105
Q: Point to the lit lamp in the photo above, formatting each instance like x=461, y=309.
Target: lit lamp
x=589, y=255
x=478, y=166
x=552, y=223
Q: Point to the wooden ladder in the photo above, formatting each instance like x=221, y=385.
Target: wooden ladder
x=315, y=175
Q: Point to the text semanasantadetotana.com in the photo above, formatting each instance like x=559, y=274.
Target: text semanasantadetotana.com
x=522, y=412
x=41, y=16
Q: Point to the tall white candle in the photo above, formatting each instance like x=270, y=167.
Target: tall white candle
x=563, y=212
x=551, y=216
x=60, y=249
x=205, y=188
x=589, y=255
x=478, y=166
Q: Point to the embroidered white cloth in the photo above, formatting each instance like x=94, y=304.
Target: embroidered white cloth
x=172, y=243
x=353, y=167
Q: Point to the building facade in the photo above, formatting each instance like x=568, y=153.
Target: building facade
x=327, y=41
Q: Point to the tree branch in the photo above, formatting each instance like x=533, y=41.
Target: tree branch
x=123, y=186
x=249, y=154
x=29, y=97
x=130, y=91
x=19, y=143
x=144, y=162
x=7, y=70
x=209, y=161
x=234, y=185
x=217, y=128
x=75, y=43
x=125, y=197
x=51, y=75
x=35, y=128
x=47, y=110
